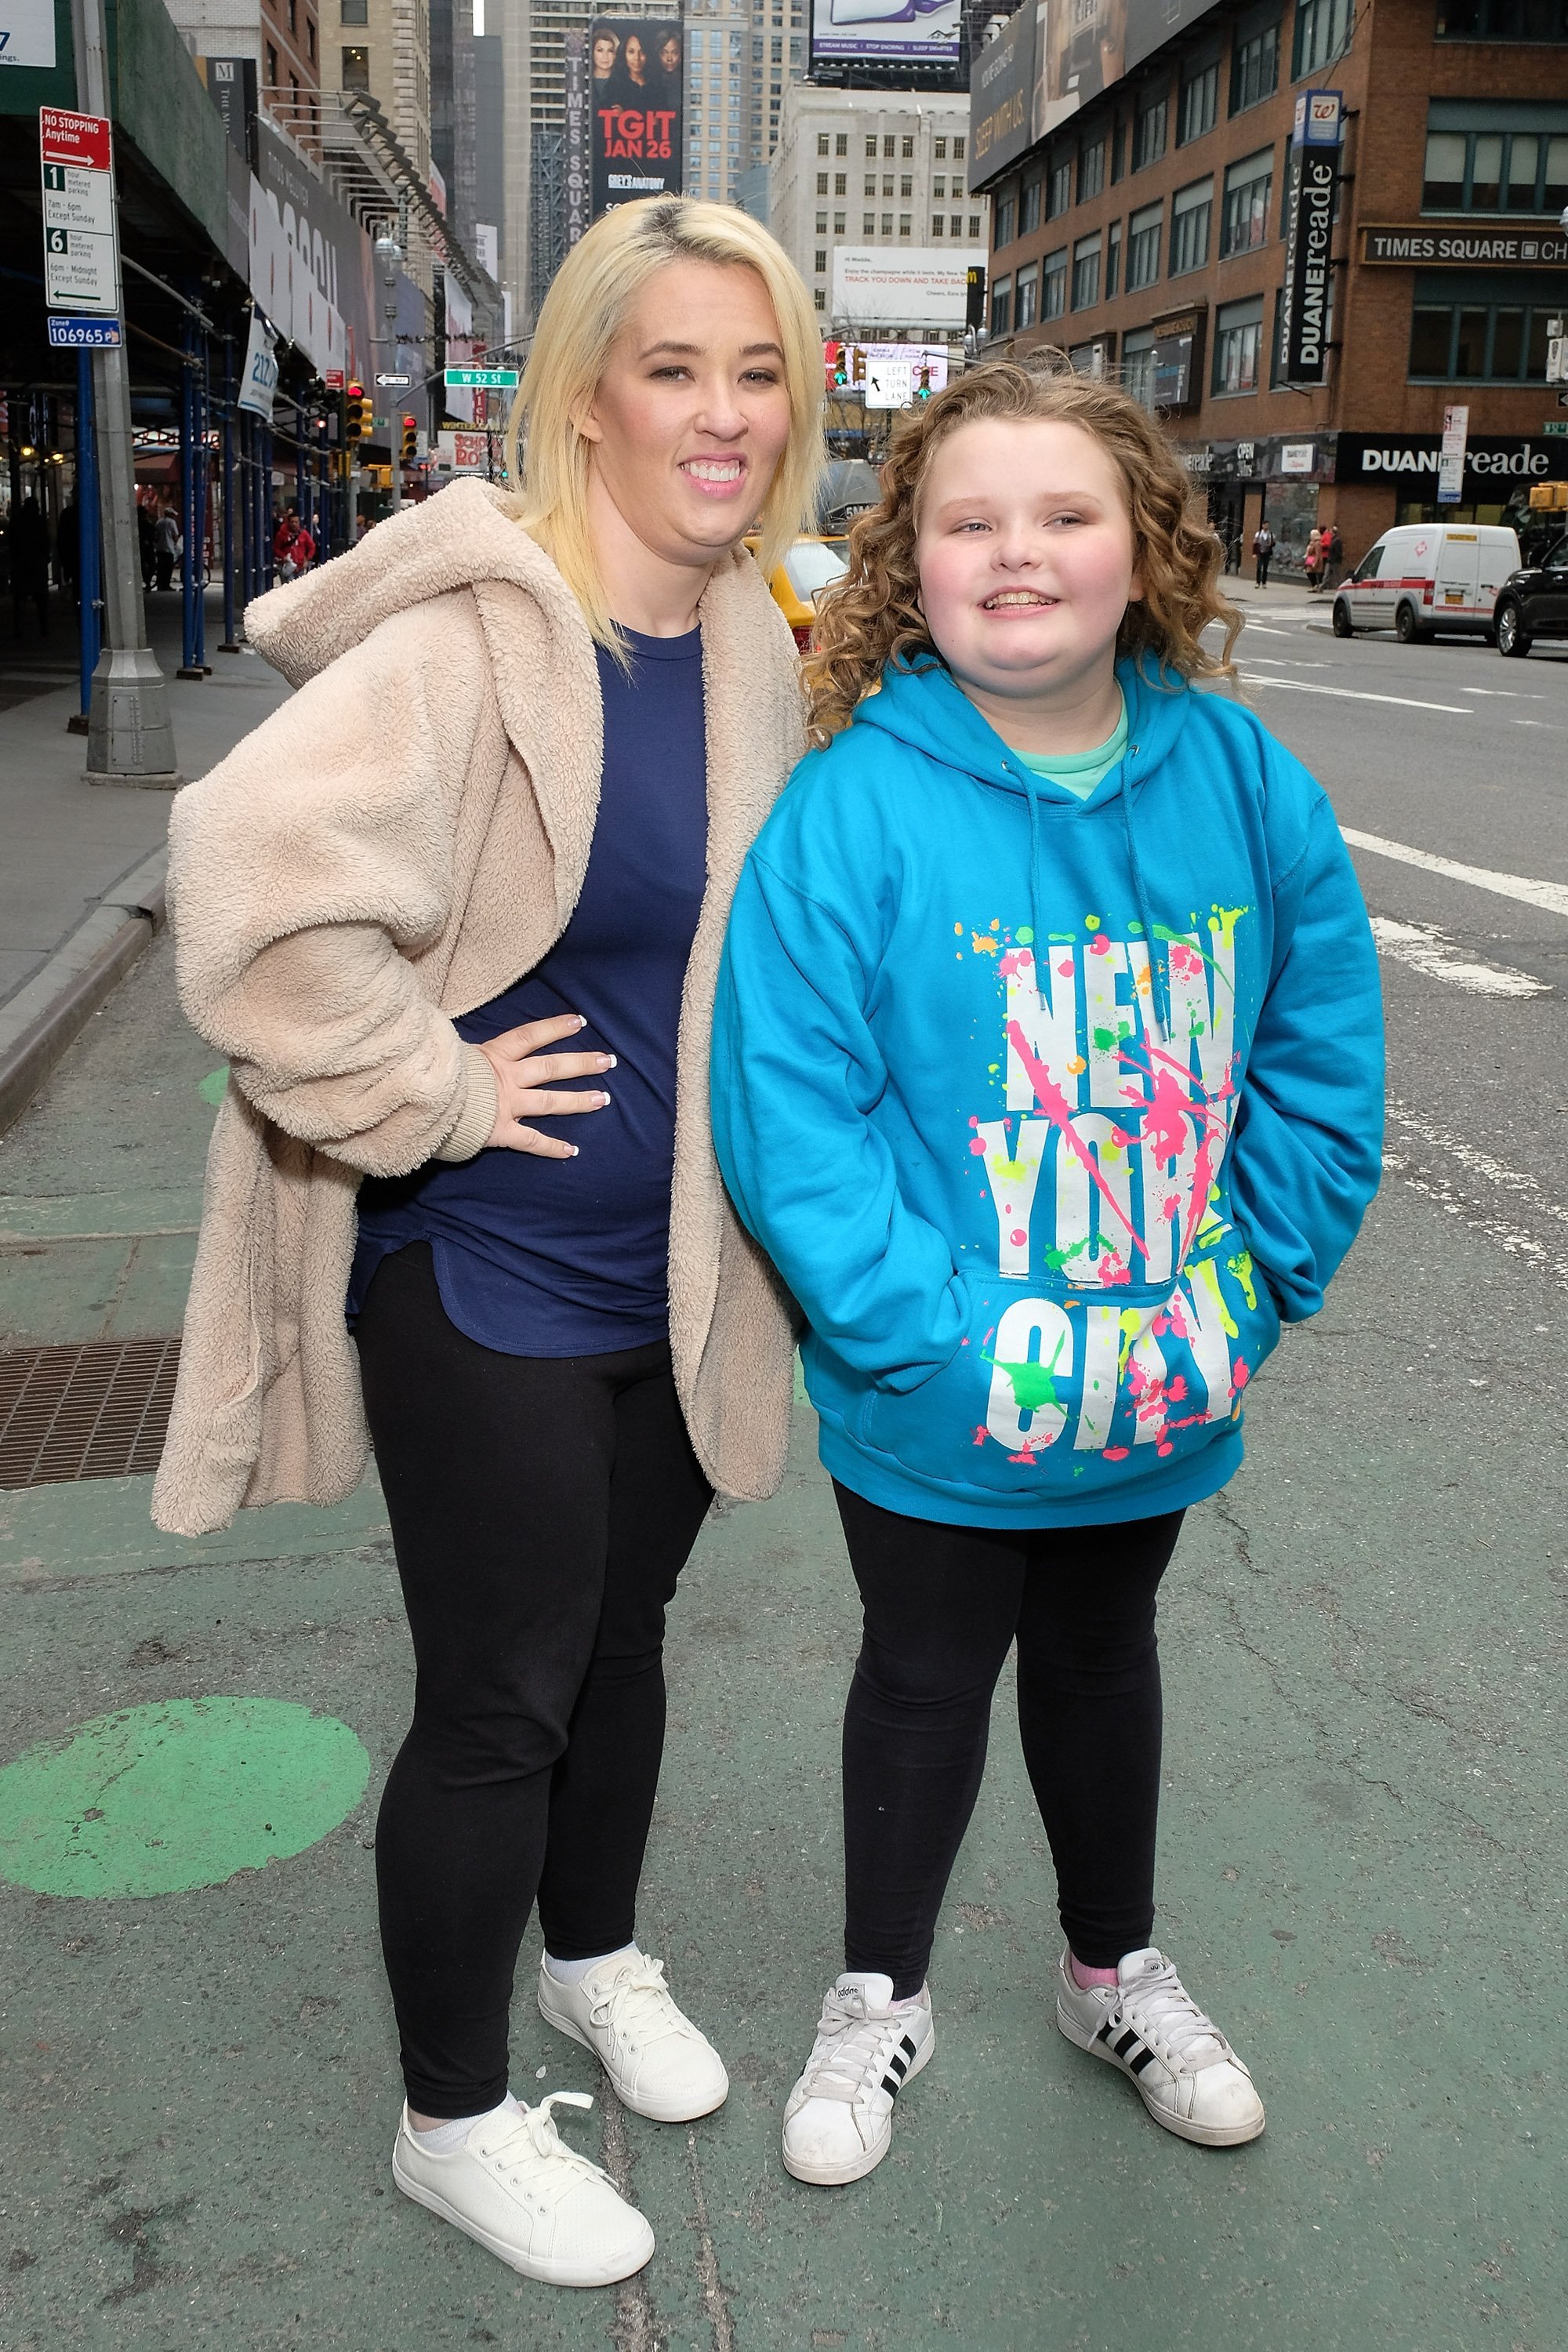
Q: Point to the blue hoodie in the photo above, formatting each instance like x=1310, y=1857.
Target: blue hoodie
x=1046, y=1111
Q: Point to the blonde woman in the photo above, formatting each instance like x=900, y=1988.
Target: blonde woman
x=455, y=916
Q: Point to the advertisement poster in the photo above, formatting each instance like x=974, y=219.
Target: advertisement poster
x=28, y=33
x=578, y=191
x=1060, y=53
x=886, y=32
x=923, y=286
x=634, y=108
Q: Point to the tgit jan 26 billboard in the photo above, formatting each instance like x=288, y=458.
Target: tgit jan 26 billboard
x=1053, y=57
x=635, y=126
x=886, y=32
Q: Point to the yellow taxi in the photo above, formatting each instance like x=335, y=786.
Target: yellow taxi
x=809, y=567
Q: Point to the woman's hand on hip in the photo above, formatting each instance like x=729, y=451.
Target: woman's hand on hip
x=528, y=1078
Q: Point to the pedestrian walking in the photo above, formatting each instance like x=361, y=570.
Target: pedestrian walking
x=1045, y=1160
x=1331, y=556
x=168, y=545
x=29, y=565
x=454, y=914
x=1262, y=554
x=1312, y=561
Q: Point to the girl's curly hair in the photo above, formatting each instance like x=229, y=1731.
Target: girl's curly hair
x=874, y=617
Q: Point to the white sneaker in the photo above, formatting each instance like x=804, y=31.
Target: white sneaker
x=838, y=2123
x=531, y=2199
x=623, y=2012
x=1181, y=2066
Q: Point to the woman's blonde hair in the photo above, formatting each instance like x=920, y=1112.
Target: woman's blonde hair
x=583, y=314
x=874, y=617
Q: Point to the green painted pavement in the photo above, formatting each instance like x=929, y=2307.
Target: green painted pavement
x=158, y=1799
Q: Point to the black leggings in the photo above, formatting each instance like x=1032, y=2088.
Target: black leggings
x=943, y=1605
x=541, y=1510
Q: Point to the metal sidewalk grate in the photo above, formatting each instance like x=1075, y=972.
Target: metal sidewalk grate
x=99, y=1410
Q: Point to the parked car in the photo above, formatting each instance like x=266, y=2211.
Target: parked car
x=1534, y=601
x=1428, y=577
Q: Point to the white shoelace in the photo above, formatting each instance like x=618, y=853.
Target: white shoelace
x=1160, y=2008
x=638, y=2006
x=535, y=2151
x=851, y=2052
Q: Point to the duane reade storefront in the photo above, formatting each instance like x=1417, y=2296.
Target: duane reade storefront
x=1501, y=471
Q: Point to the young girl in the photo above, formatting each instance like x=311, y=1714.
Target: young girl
x=1047, y=1069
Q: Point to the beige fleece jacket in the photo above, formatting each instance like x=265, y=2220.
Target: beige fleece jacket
x=392, y=847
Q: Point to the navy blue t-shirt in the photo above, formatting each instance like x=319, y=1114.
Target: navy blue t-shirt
x=569, y=1257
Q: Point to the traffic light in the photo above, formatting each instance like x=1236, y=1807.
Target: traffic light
x=353, y=412
x=922, y=387
x=410, y=439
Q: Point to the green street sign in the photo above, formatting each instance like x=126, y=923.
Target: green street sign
x=1555, y=424
x=482, y=379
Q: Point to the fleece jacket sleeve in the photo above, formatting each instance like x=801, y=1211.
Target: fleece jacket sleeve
x=1308, y=1135
x=795, y=1071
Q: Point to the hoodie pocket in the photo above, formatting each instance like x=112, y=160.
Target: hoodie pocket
x=1059, y=1392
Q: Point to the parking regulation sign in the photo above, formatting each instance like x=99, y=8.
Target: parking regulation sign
x=81, y=250
x=84, y=334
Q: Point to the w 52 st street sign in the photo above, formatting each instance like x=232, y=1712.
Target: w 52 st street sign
x=478, y=379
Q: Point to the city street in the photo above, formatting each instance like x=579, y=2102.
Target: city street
x=1361, y=1848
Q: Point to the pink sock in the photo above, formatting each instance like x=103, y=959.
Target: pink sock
x=1085, y=1978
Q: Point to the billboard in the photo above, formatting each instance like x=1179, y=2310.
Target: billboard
x=636, y=70
x=1067, y=52
x=1309, y=237
x=919, y=286
x=885, y=33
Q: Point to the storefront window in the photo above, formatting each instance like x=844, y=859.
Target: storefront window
x=1475, y=342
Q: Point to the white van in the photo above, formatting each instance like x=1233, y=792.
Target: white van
x=1427, y=577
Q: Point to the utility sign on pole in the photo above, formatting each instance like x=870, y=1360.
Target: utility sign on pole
x=1451, y=458
x=81, y=248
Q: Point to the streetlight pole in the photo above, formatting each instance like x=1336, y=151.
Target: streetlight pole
x=129, y=738
x=388, y=256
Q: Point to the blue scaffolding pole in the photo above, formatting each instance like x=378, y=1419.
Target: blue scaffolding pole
x=230, y=642
x=89, y=584
x=190, y=522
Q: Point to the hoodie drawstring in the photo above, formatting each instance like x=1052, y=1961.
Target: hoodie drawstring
x=1159, y=963
x=1034, y=799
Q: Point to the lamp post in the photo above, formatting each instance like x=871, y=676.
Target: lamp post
x=388, y=260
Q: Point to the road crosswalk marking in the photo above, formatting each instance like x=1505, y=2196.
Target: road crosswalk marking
x=1356, y=694
x=1551, y=895
x=1429, y=951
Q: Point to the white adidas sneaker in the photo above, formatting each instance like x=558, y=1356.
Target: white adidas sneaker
x=661, y=2066
x=517, y=2188
x=1181, y=2066
x=838, y=2122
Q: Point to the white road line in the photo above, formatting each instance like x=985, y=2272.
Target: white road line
x=1502, y=694
x=1429, y=951
x=1350, y=694
x=1509, y=1238
x=1479, y=1164
x=1552, y=896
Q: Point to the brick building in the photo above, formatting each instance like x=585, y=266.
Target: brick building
x=1139, y=214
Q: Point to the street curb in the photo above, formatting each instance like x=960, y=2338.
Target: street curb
x=47, y=1015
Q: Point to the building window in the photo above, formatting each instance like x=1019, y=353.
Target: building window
x=355, y=12
x=822, y=183
x=956, y=223
x=1200, y=103
x=1137, y=364
x=1029, y=209
x=887, y=151
x=869, y=186
x=1143, y=247
x=1322, y=34
x=887, y=223
x=841, y=143
x=838, y=223
x=1086, y=272
x=822, y=223
x=1002, y=307
x=1191, y=210
x=1054, y=284
x=1112, y=260
x=1480, y=343
x=939, y=149
x=887, y=184
x=958, y=151
x=903, y=224
x=1004, y=219
x=1254, y=63
x=974, y=226
x=939, y=188
x=821, y=142
x=1118, y=152
x=821, y=260
x=906, y=185
x=1091, y=172
x=362, y=55
x=1058, y=188
x=1501, y=171
x=936, y=226
x=841, y=184
x=1501, y=20
x=909, y=149
x=1237, y=343
x=294, y=16
x=356, y=67
x=1247, y=185
x=867, y=224
x=1149, y=128
x=310, y=40
x=871, y=149
x=822, y=298
x=1025, y=309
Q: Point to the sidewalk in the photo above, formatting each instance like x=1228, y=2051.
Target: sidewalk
x=1358, y=1875
x=82, y=881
